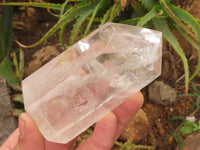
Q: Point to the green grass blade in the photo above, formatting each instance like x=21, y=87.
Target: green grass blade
x=139, y=8
x=106, y=16
x=132, y=21
x=63, y=7
x=52, y=13
x=82, y=14
x=6, y=71
x=187, y=37
x=149, y=4
x=85, y=13
x=58, y=25
x=162, y=26
x=195, y=89
x=40, y=5
x=151, y=14
x=15, y=65
x=77, y=25
x=92, y=18
x=21, y=63
x=175, y=18
x=6, y=32
x=74, y=13
x=61, y=35
x=67, y=13
x=193, y=23
x=115, y=11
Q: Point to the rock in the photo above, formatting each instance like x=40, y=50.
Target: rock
x=41, y=57
x=161, y=93
x=137, y=129
x=191, y=142
x=7, y=123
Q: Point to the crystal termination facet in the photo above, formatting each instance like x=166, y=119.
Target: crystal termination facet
x=95, y=75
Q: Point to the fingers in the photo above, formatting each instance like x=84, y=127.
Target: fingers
x=108, y=129
x=127, y=110
x=11, y=142
x=56, y=146
x=29, y=136
x=103, y=136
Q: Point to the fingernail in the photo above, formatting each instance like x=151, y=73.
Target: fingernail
x=21, y=128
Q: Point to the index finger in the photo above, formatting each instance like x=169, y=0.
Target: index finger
x=127, y=110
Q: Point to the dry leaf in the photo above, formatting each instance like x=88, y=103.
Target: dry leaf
x=123, y=4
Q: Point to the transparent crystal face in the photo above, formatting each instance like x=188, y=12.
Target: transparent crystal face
x=81, y=85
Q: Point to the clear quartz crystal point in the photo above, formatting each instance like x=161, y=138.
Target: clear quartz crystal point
x=96, y=74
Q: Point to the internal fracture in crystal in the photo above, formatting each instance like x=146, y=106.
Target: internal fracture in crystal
x=95, y=75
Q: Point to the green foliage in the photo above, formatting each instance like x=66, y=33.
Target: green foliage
x=40, y=5
x=161, y=25
x=106, y=16
x=150, y=15
x=18, y=98
x=18, y=65
x=188, y=127
x=167, y=13
x=148, y=4
x=17, y=112
x=77, y=25
x=6, y=71
x=92, y=18
x=194, y=25
x=162, y=14
x=115, y=11
x=196, y=96
x=128, y=145
x=6, y=33
x=177, y=137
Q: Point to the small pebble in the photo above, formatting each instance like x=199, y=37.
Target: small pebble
x=161, y=93
x=137, y=129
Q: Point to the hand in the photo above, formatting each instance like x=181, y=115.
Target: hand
x=106, y=132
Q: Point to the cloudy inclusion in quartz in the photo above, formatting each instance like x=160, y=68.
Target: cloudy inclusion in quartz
x=96, y=74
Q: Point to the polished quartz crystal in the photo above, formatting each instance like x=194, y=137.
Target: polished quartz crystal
x=92, y=77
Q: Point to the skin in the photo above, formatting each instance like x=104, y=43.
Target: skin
x=107, y=130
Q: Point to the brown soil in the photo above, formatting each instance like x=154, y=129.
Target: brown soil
x=38, y=22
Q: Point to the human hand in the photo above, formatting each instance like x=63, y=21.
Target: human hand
x=107, y=130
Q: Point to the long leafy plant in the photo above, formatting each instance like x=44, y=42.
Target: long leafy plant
x=161, y=15
x=6, y=32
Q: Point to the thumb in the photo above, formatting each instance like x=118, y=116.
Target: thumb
x=29, y=136
x=31, y=139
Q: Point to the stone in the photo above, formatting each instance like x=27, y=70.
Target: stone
x=8, y=123
x=95, y=75
x=191, y=142
x=161, y=93
x=41, y=57
x=137, y=129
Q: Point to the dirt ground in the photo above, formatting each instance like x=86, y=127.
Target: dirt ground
x=38, y=21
